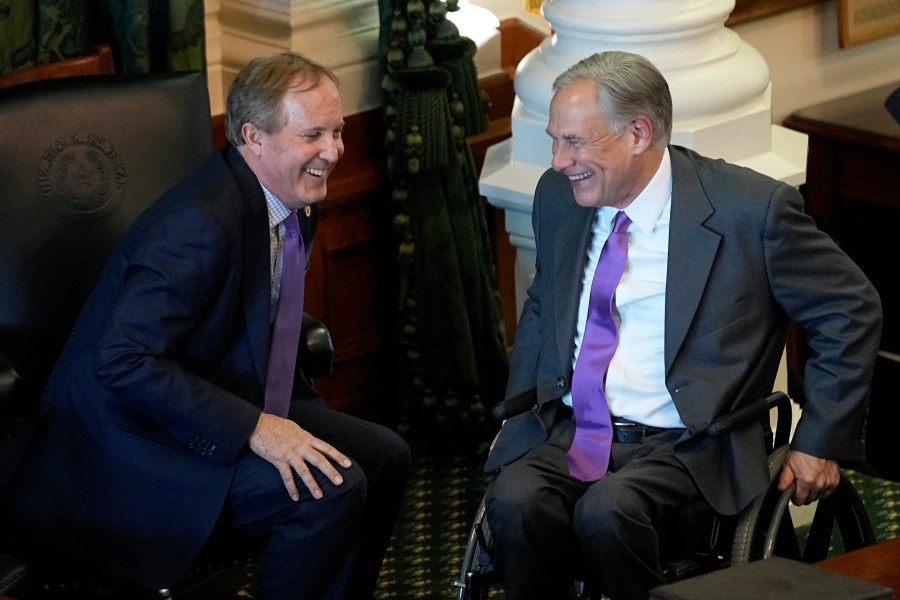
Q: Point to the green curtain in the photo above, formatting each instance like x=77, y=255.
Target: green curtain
x=452, y=355
x=145, y=35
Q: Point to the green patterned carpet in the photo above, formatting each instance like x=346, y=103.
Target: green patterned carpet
x=882, y=500
x=424, y=558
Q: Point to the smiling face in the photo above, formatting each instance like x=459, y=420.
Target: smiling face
x=605, y=168
x=295, y=161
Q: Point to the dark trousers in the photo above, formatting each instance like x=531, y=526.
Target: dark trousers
x=331, y=548
x=550, y=529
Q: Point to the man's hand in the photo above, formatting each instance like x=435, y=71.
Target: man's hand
x=816, y=477
x=292, y=449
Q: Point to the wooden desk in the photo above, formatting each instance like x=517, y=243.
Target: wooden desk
x=879, y=564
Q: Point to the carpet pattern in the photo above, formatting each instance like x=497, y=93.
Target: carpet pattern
x=882, y=501
x=424, y=558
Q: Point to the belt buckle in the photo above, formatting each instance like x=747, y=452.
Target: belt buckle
x=628, y=432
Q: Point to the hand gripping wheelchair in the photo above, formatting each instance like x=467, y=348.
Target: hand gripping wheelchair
x=707, y=541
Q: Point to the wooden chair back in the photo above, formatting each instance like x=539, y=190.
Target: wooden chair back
x=99, y=61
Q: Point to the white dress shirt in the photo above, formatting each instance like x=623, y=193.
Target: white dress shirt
x=635, y=382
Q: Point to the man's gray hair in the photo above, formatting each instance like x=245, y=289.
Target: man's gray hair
x=627, y=85
x=255, y=94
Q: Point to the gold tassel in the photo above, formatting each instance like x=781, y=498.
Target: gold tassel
x=533, y=6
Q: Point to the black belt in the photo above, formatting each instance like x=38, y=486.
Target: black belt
x=624, y=430
x=629, y=432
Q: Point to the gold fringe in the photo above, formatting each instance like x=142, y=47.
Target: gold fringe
x=533, y=6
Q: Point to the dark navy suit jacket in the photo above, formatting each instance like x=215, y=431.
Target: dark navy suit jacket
x=131, y=452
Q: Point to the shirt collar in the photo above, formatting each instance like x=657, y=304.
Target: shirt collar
x=647, y=208
x=278, y=212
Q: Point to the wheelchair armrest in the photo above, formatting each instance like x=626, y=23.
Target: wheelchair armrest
x=15, y=580
x=316, y=351
x=514, y=405
x=754, y=413
x=8, y=377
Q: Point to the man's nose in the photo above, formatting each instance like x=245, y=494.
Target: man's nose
x=561, y=159
x=332, y=148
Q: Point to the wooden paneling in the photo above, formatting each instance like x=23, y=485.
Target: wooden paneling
x=350, y=281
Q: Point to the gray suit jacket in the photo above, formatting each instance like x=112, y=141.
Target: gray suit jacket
x=744, y=261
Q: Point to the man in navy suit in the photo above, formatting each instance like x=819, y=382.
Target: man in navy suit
x=151, y=430
x=719, y=260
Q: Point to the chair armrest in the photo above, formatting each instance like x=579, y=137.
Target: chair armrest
x=514, y=405
x=8, y=377
x=15, y=579
x=316, y=351
x=754, y=413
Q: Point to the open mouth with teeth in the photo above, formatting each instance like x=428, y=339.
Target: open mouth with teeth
x=580, y=176
x=315, y=172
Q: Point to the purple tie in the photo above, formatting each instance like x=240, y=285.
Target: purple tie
x=588, y=458
x=288, y=318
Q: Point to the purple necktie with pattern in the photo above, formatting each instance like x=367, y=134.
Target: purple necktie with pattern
x=588, y=458
x=288, y=319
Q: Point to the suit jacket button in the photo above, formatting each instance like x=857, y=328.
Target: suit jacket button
x=561, y=382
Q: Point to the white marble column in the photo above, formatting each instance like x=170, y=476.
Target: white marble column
x=340, y=34
x=720, y=86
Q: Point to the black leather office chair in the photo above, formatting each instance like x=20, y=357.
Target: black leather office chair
x=696, y=540
x=82, y=157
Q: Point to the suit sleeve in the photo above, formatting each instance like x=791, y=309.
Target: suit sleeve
x=829, y=297
x=172, y=277
x=525, y=353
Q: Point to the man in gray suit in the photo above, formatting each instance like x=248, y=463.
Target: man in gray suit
x=719, y=260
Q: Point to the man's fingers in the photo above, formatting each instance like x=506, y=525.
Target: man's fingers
x=801, y=495
x=318, y=457
x=287, y=476
x=308, y=480
x=292, y=450
x=331, y=452
x=786, y=478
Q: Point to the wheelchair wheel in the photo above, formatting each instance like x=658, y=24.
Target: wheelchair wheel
x=477, y=578
x=476, y=574
x=765, y=528
x=762, y=524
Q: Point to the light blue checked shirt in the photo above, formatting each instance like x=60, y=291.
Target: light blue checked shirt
x=278, y=212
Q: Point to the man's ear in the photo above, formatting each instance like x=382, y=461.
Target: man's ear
x=641, y=131
x=252, y=138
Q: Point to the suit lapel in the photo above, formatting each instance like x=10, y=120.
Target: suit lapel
x=256, y=282
x=692, y=250
x=573, y=234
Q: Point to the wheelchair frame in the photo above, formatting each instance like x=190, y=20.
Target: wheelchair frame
x=762, y=530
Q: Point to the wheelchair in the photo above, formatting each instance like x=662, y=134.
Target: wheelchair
x=763, y=529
